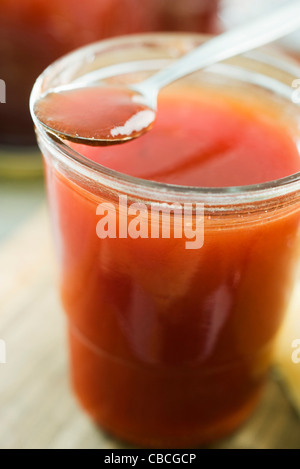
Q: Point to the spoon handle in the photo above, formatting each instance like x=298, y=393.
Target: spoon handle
x=251, y=35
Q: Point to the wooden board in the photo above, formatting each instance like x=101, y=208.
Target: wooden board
x=37, y=408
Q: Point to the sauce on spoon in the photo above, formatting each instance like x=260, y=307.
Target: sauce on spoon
x=95, y=116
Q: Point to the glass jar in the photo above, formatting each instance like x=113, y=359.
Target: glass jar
x=33, y=33
x=171, y=347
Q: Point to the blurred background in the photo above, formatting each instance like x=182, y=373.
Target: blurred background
x=33, y=33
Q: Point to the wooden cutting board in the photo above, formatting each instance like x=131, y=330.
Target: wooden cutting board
x=37, y=408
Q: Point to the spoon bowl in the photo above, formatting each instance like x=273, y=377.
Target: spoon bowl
x=105, y=116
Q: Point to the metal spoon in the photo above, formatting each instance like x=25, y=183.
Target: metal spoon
x=141, y=98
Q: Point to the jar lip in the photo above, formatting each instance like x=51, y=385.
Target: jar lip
x=217, y=195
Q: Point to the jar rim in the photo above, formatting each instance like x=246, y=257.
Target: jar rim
x=138, y=186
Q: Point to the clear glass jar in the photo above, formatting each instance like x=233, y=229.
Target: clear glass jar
x=171, y=347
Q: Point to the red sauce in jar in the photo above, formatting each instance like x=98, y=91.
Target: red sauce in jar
x=169, y=346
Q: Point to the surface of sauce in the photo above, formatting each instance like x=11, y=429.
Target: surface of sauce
x=100, y=115
x=202, y=139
